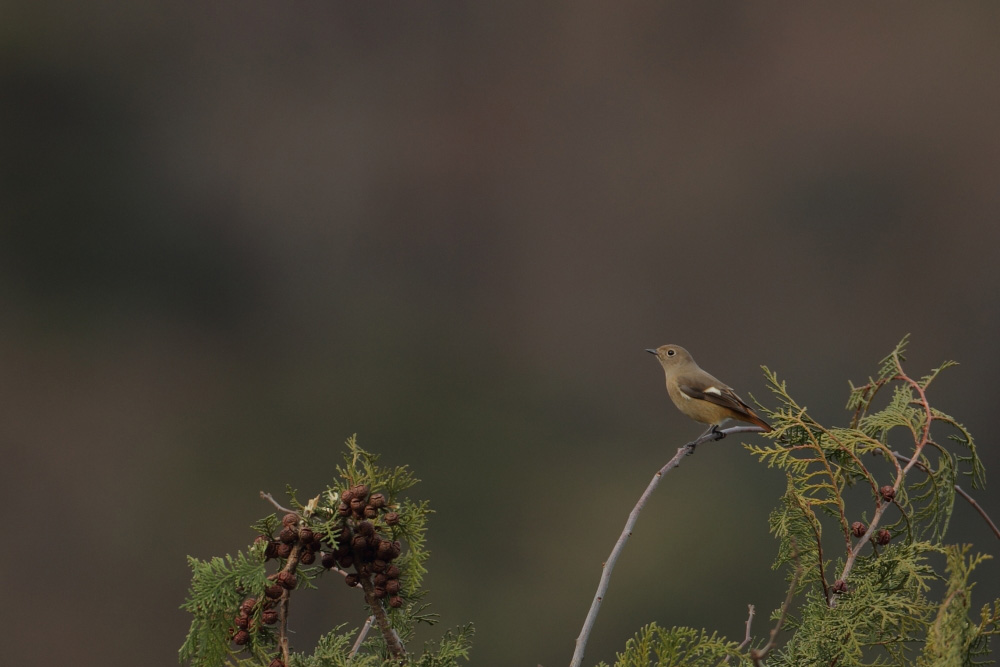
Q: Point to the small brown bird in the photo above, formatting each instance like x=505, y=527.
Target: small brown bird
x=699, y=395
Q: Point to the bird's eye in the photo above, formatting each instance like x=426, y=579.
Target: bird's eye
x=670, y=353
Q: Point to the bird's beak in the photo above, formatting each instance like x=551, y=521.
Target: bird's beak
x=650, y=350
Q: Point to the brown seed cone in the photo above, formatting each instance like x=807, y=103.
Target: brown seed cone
x=396, y=601
x=271, y=551
x=352, y=579
x=366, y=528
x=289, y=520
x=306, y=535
x=343, y=509
x=357, y=505
x=882, y=537
x=392, y=572
x=288, y=535
x=248, y=605
x=242, y=622
x=346, y=561
x=379, y=565
x=888, y=493
x=380, y=579
x=361, y=491
x=274, y=591
x=283, y=550
x=241, y=637
x=385, y=550
x=359, y=543
x=840, y=586
x=858, y=529
x=347, y=494
x=269, y=617
x=392, y=518
x=370, y=512
x=277, y=662
x=380, y=592
x=287, y=579
x=377, y=501
x=329, y=560
x=307, y=557
x=392, y=586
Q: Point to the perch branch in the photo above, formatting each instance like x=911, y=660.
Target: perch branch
x=602, y=587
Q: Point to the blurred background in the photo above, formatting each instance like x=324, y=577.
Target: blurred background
x=233, y=235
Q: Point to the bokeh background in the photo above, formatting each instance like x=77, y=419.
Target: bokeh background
x=232, y=235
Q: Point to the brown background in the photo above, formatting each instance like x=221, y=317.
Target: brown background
x=231, y=236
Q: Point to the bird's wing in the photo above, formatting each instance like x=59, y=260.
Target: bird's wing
x=719, y=394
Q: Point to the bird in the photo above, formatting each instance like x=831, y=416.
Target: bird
x=701, y=396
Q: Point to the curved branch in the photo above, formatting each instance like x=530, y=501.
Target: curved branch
x=602, y=587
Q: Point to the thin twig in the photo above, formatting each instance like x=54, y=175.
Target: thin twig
x=960, y=491
x=602, y=587
x=746, y=639
x=361, y=637
x=759, y=654
x=269, y=498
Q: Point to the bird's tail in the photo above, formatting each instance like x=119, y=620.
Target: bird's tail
x=752, y=417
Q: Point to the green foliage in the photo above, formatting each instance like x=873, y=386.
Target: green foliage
x=218, y=586
x=654, y=646
x=872, y=594
x=226, y=592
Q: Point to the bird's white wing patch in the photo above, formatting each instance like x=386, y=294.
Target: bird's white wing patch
x=712, y=390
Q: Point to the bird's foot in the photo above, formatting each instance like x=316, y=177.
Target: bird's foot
x=719, y=435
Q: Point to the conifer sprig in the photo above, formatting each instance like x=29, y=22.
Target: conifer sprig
x=362, y=530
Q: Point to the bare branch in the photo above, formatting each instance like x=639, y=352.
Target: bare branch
x=608, y=566
x=759, y=654
x=361, y=637
x=746, y=639
x=269, y=498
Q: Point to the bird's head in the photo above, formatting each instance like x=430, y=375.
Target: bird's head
x=671, y=355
